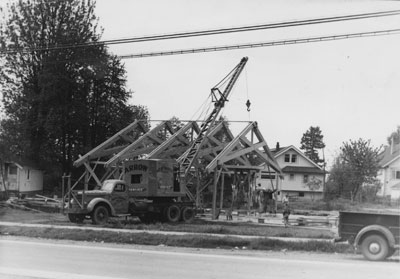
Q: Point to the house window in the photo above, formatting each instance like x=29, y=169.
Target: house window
x=12, y=170
x=268, y=176
x=301, y=194
x=291, y=176
x=290, y=158
x=395, y=174
x=119, y=188
x=28, y=172
x=305, y=178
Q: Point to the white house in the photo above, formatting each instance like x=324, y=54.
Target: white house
x=302, y=178
x=21, y=178
x=389, y=174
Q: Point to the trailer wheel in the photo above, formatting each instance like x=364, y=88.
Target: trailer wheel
x=375, y=247
x=76, y=218
x=100, y=215
x=173, y=213
x=187, y=214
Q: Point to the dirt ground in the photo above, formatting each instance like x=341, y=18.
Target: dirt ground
x=16, y=215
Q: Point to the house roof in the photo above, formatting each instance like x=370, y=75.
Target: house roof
x=310, y=170
x=387, y=156
x=396, y=186
x=284, y=149
x=21, y=163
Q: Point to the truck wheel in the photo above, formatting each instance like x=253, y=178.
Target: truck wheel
x=173, y=213
x=100, y=215
x=375, y=248
x=187, y=215
x=76, y=218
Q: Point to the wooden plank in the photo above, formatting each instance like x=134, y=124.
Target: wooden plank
x=134, y=145
x=89, y=169
x=100, y=147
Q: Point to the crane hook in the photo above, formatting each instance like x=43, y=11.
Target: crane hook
x=248, y=105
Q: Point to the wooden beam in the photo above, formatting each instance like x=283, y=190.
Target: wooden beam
x=92, y=174
x=173, y=139
x=229, y=148
x=100, y=147
x=135, y=144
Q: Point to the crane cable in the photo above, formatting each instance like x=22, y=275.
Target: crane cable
x=248, y=103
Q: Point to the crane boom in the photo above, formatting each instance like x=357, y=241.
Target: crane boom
x=219, y=103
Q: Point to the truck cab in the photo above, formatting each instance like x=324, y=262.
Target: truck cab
x=111, y=199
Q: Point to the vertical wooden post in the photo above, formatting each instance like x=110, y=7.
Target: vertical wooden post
x=86, y=181
x=69, y=191
x=198, y=190
x=214, y=200
x=62, y=193
x=221, y=201
x=278, y=186
x=249, y=193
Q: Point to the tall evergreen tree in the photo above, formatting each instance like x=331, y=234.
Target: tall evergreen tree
x=62, y=98
x=311, y=141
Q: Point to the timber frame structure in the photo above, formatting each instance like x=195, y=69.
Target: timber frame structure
x=221, y=153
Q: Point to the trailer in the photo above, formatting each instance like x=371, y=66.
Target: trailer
x=375, y=234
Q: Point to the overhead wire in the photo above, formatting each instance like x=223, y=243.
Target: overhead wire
x=219, y=31
x=264, y=44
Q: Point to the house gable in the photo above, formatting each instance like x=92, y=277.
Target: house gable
x=285, y=158
x=297, y=171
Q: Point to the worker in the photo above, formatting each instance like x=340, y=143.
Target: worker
x=285, y=199
x=271, y=200
x=286, y=213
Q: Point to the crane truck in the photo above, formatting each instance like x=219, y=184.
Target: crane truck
x=151, y=189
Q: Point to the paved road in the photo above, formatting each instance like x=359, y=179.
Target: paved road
x=28, y=258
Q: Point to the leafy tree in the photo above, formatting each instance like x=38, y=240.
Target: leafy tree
x=311, y=141
x=313, y=185
x=356, y=166
x=59, y=98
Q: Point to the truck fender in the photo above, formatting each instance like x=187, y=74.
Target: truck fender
x=376, y=228
x=92, y=204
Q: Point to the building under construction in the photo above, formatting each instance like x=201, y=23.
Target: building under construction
x=206, y=152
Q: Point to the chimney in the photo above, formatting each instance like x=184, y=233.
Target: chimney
x=391, y=145
x=277, y=146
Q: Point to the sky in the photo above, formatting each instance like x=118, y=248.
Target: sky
x=349, y=88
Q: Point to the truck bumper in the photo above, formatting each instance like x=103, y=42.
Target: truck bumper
x=338, y=239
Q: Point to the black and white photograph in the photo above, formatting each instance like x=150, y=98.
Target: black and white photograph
x=199, y=139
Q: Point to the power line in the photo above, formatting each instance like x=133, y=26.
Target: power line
x=264, y=44
x=180, y=35
x=245, y=46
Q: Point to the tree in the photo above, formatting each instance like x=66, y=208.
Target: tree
x=61, y=99
x=356, y=166
x=313, y=185
x=311, y=141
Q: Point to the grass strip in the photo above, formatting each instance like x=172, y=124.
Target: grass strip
x=194, y=241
